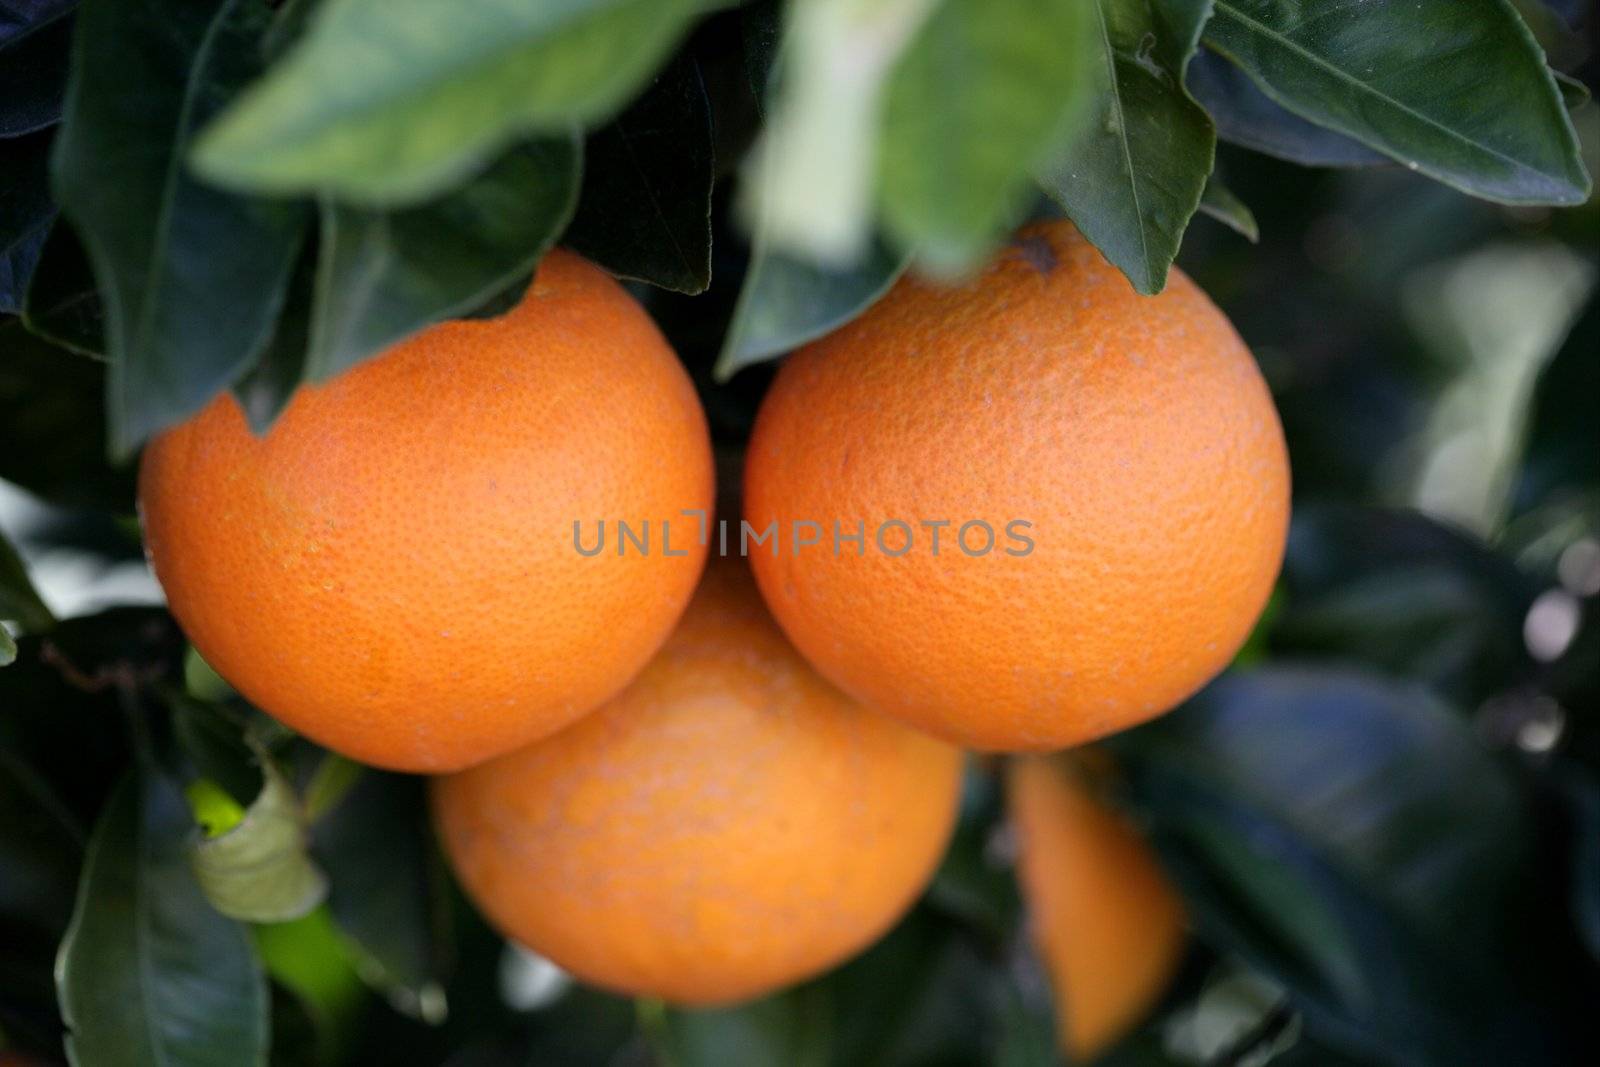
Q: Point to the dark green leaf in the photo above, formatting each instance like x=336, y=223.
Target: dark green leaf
x=1574, y=94
x=923, y=995
x=1469, y=101
x=192, y=278
x=19, y=603
x=788, y=1030
x=212, y=737
x=503, y=301
x=63, y=304
x=258, y=870
x=986, y=91
x=645, y=212
x=41, y=851
x=388, y=102
x=383, y=888
x=26, y=212
x=1583, y=795
x=33, y=61
x=1133, y=179
x=1352, y=840
x=786, y=302
x=760, y=30
x=1246, y=116
x=383, y=275
x=1560, y=455
x=52, y=424
x=266, y=388
x=149, y=974
x=1220, y=203
x=1407, y=595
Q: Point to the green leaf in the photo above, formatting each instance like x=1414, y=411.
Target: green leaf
x=307, y=959
x=63, y=304
x=26, y=212
x=645, y=212
x=33, y=51
x=192, y=277
x=788, y=1030
x=149, y=975
x=986, y=92
x=1407, y=595
x=1133, y=179
x=1220, y=203
x=387, y=102
x=383, y=275
x=786, y=302
x=1246, y=116
x=1456, y=89
x=213, y=737
x=258, y=870
x=809, y=190
x=1352, y=840
x=1574, y=94
x=266, y=388
x=384, y=889
x=19, y=602
x=1583, y=796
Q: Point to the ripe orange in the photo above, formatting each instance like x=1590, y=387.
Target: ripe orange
x=1103, y=916
x=391, y=569
x=1133, y=435
x=728, y=825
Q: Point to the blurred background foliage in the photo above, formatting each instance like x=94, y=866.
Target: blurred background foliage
x=1384, y=820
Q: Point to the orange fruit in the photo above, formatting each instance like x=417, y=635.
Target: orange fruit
x=727, y=825
x=1134, y=438
x=391, y=570
x=1101, y=913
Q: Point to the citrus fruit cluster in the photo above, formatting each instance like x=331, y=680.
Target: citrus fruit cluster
x=674, y=792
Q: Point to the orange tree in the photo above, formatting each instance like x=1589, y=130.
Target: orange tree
x=1375, y=839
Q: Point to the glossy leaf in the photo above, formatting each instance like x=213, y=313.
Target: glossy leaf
x=388, y=102
x=266, y=388
x=1219, y=202
x=259, y=870
x=1470, y=102
x=63, y=304
x=192, y=277
x=26, y=212
x=375, y=849
x=1352, y=840
x=149, y=974
x=1246, y=116
x=383, y=275
x=33, y=49
x=645, y=212
x=786, y=302
x=1133, y=179
x=19, y=601
x=986, y=92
